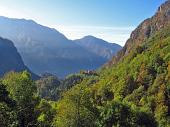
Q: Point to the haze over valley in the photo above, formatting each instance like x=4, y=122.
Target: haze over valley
x=45, y=50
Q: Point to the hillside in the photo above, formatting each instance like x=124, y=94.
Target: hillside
x=132, y=91
x=138, y=87
x=54, y=52
x=10, y=58
x=98, y=46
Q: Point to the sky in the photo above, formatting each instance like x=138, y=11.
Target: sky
x=111, y=20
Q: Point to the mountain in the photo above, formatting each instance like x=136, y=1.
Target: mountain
x=98, y=46
x=10, y=58
x=45, y=50
x=133, y=89
x=145, y=30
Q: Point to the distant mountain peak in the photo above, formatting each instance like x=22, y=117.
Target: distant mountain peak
x=93, y=38
x=90, y=36
x=98, y=46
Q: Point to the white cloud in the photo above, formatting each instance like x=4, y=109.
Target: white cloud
x=111, y=34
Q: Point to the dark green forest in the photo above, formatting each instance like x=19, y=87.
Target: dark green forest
x=134, y=91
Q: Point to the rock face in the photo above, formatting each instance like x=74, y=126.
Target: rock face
x=10, y=58
x=45, y=50
x=146, y=29
x=99, y=46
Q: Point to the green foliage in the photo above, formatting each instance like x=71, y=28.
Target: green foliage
x=20, y=87
x=115, y=114
x=47, y=113
x=120, y=114
x=8, y=116
x=71, y=80
x=48, y=87
x=22, y=90
x=51, y=88
x=75, y=109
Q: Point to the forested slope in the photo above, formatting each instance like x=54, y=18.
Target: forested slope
x=133, y=91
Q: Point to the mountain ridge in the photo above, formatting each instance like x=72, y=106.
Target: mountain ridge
x=145, y=29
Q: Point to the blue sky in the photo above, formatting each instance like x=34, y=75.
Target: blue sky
x=112, y=20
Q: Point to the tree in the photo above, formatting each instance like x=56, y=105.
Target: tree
x=22, y=90
x=146, y=75
x=120, y=114
x=47, y=113
x=75, y=109
x=115, y=114
x=48, y=87
x=7, y=109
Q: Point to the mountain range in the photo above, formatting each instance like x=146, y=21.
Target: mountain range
x=45, y=50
